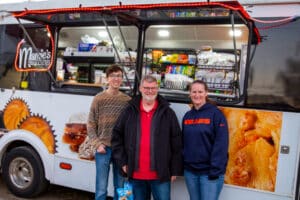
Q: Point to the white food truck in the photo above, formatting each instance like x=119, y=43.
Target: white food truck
x=251, y=66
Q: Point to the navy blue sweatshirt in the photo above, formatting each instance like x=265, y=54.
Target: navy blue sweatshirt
x=205, y=137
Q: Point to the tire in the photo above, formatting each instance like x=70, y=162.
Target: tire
x=23, y=172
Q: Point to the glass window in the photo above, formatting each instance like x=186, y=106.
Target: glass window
x=179, y=54
x=84, y=53
x=274, y=72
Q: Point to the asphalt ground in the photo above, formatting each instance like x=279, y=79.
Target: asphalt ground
x=54, y=192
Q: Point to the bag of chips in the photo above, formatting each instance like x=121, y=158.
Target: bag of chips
x=125, y=193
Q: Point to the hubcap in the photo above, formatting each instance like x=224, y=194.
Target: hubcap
x=21, y=172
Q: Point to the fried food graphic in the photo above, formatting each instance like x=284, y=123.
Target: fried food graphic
x=42, y=128
x=254, y=138
x=74, y=134
x=15, y=110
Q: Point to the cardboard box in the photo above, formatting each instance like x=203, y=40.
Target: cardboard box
x=86, y=47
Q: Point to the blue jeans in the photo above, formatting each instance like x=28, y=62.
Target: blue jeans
x=200, y=188
x=143, y=188
x=102, y=171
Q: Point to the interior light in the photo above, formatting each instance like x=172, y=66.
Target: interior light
x=102, y=34
x=163, y=33
x=48, y=34
x=237, y=33
x=162, y=26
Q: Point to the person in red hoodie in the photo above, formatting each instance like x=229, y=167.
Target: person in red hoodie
x=147, y=143
x=205, y=145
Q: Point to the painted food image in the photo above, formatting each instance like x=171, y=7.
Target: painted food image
x=254, y=138
x=74, y=135
x=14, y=112
x=40, y=127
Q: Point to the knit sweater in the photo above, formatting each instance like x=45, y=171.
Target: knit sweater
x=105, y=110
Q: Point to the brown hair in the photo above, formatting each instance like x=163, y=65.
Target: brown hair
x=199, y=82
x=205, y=88
x=113, y=68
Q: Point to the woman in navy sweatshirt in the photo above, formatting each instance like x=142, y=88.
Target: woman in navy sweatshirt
x=205, y=136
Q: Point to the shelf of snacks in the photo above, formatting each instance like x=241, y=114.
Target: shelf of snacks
x=219, y=69
x=208, y=56
x=174, y=68
x=216, y=79
x=83, y=64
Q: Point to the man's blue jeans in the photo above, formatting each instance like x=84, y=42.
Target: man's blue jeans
x=143, y=188
x=102, y=171
x=201, y=188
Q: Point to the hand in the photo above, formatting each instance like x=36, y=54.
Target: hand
x=125, y=169
x=101, y=149
x=173, y=178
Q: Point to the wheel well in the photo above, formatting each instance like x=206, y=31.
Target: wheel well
x=15, y=144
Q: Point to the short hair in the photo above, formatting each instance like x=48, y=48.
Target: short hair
x=148, y=78
x=113, y=68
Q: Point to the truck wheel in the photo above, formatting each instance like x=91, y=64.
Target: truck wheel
x=23, y=172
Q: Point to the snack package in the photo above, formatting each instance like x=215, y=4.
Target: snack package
x=156, y=55
x=126, y=192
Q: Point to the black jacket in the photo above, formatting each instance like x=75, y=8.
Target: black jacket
x=166, y=140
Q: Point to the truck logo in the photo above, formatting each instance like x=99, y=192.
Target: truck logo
x=23, y=59
x=29, y=59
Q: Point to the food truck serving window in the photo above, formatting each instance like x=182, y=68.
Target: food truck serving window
x=194, y=43
x=179, y=54
x=84, y=53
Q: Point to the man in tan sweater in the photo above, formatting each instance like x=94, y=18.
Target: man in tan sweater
x=105, y=110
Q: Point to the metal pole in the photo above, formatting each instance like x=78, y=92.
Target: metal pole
x=116, y=50
x=126, y=47
x=235, y=51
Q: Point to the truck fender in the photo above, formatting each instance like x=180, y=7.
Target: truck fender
x=35, y=142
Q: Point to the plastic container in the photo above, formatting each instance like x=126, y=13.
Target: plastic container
x=98, y=76
x=60, y=75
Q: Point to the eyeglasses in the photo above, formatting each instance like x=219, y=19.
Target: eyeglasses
x=115, y=76
x=150, y=88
